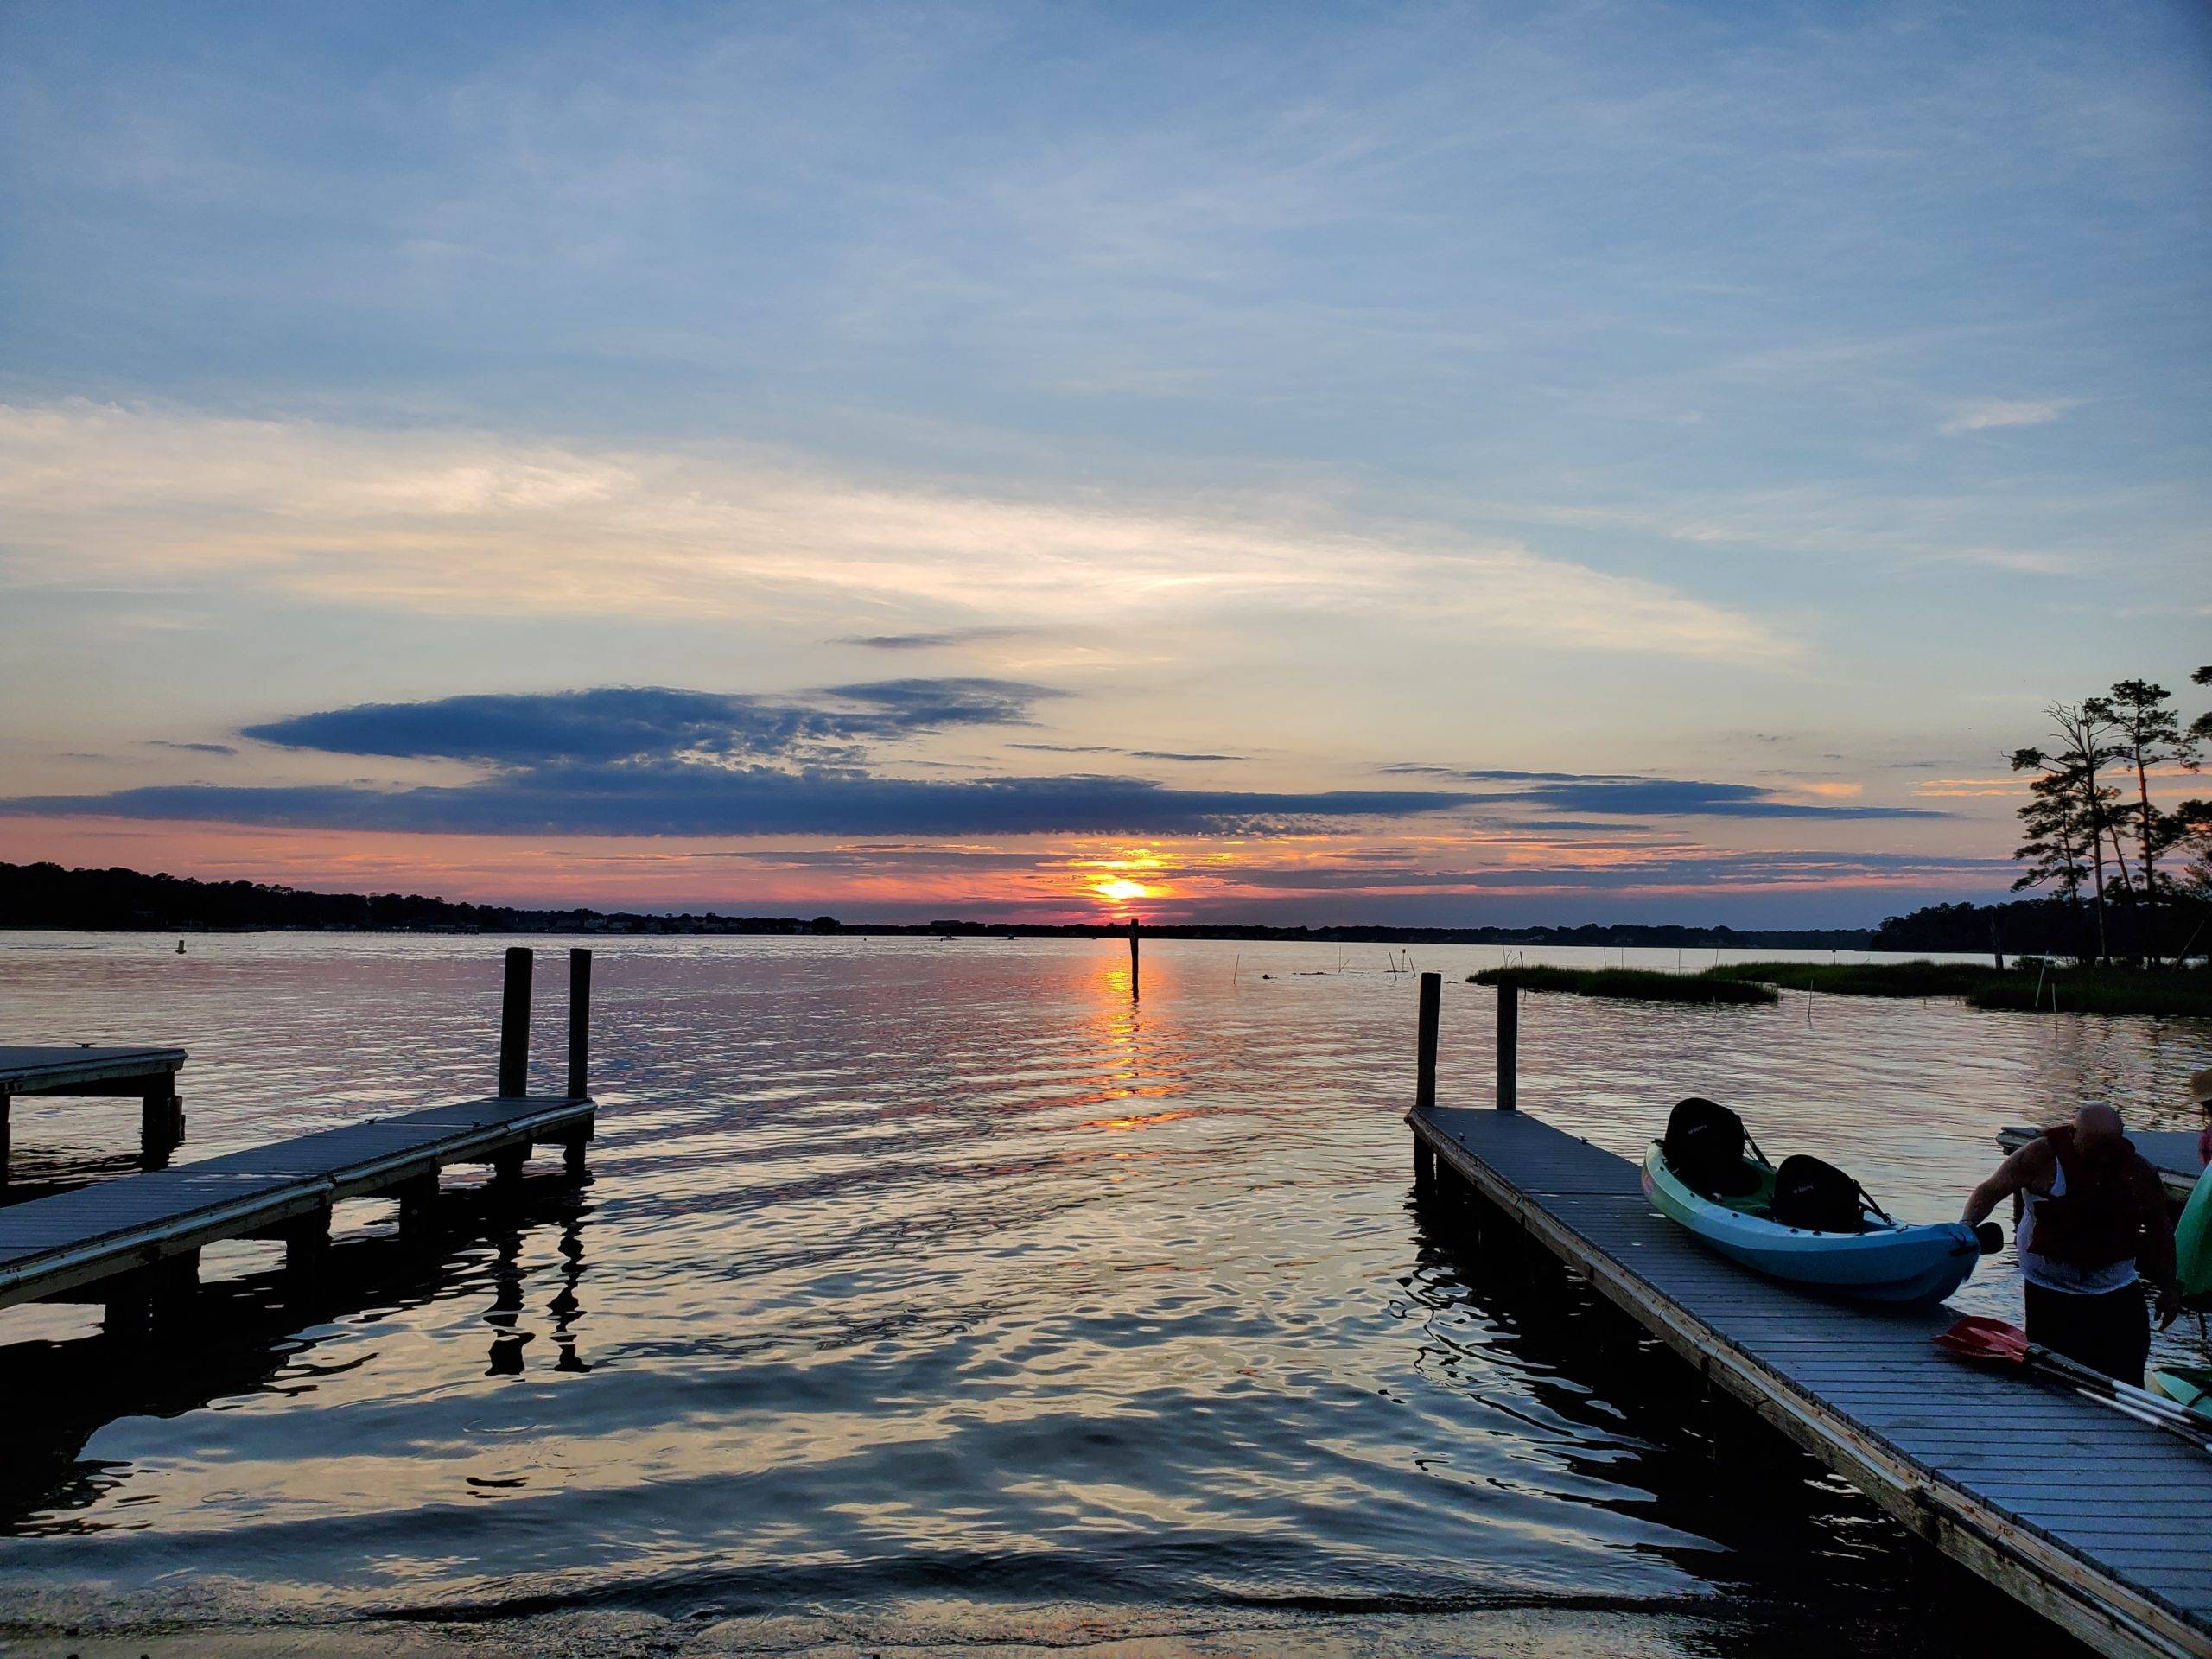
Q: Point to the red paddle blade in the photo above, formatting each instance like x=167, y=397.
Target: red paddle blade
x=1976, y=1337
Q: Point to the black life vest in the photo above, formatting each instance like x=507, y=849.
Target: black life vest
x=2098, y=1220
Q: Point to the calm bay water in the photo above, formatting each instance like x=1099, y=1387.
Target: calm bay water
x=933, y=1295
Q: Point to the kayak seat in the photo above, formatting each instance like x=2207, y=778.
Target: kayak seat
x=1704, y=1145
x=1817, y=1197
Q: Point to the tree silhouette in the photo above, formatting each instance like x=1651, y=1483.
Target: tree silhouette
x=2149, y=735
x=2072, y=804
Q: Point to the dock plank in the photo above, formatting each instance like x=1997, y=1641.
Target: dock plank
x=1979, y=1462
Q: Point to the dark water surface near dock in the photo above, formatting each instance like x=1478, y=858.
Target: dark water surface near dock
x=931, y=1294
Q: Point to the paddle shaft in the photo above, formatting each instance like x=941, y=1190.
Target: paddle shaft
x=1974, y=1338
x=2155, y=1420
x=1994, y=1339
x=2087, y=1377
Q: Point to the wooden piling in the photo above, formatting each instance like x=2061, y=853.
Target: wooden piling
x=160, y=1125
x=579, y=1023
x=1132, y=958
x=1508, y=1048
x=514, y=1025
x=1432, y=996
x=418, y=1208
x=307, y=1245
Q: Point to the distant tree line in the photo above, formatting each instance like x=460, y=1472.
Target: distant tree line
x=2132, y=878
x=49, y=895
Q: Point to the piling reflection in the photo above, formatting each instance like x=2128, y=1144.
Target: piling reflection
x=268, y=1335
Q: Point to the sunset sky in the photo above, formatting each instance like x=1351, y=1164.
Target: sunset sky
x=1419, y=464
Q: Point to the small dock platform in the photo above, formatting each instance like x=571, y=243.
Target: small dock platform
x=138, y=1238
x=156, y=1223
x=147, y=1074
x=2173, y=1153
x=2096, y=1521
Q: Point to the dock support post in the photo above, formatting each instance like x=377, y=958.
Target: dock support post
x=127, y=1309
x=418, y=1208
x=514, y=1025
x=506, y=1168
x=1132, y=958
x=307, y=1246
x=572, y=1157
x=1432, y=995
x=1424, y=1165
x=5, y=1098
x=136, y=1300
x=160, y=1125
x=579, y=1023
x=1508, y=1048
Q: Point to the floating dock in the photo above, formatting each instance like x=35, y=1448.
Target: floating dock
x=2100, y=1523
x=2173, y=1153
x=138, y=1238
x=148, y=1074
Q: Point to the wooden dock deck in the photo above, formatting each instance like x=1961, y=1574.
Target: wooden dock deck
x=157, y=1223
x=2173, y=1153
x=148, y=1074
x=2096, y=1521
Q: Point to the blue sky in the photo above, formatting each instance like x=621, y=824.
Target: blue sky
x=1754, y=413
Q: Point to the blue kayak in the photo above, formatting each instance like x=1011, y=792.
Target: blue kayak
x=1882, y=1261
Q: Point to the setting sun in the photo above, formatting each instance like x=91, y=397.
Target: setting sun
x=1120, y=889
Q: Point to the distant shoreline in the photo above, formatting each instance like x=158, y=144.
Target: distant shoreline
x=643, y=927
x=50, y=897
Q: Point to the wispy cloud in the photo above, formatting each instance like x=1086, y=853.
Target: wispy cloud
x=615, y=723
x=462, y=522
x=1638, y=796
x=1133, y=754
x=674, y=798
x=2008, y=412
x=946, y=639
x=192, y=749
x=653, y=761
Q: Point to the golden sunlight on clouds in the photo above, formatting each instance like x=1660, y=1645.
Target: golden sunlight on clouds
x=457, y=522
x=1114, y=877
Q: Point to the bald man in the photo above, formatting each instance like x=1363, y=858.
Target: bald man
x=2094, y=1222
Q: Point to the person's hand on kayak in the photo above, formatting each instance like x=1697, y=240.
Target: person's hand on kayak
x=2168, y=1305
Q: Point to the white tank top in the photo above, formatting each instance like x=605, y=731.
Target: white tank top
x=2063, y=1275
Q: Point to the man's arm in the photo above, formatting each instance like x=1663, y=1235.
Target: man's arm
x=2023, y=1169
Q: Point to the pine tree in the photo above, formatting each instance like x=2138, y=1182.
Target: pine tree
x=2072, y=789
x=2149, y=736
x=2053, y=846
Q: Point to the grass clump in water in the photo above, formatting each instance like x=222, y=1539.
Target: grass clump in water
x=1864, y=978
x=2102, y=991
x=2027, y=988
x=1637, y=984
